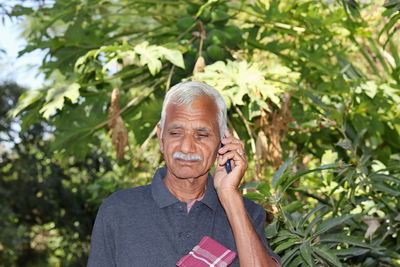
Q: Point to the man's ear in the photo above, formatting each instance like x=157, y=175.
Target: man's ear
x=159, y=137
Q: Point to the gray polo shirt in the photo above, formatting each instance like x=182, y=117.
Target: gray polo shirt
x=148, y=226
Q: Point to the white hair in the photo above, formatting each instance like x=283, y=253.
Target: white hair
x=185, y=93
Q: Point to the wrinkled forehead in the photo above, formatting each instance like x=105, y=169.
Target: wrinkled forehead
x=203, y=109
x=196, y=101
x=202, y=103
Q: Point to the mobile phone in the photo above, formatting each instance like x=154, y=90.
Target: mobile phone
x=228, y=166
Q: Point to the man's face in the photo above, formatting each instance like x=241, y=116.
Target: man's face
x=190, y=130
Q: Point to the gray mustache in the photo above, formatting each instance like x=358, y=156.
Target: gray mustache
x=182, y=156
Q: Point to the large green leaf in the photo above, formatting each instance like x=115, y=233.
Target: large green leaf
x=341, y=238
x=150, y=56
x=351, y=252
x=264, y=188
x=143, y=117
x=76, y=127
x=279, y=174
x=294, y=206
x=289, y=181
x=328, y=255
x=305, y=252
x=383, y=187
x=173, y=56
x=271, y=230
x=25, y=100
x=296, y=261
x=330, y=223
x=287, y=244
x=289, y=255
x=309, y=214
x=55, y=98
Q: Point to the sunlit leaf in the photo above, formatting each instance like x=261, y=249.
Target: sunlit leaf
x=25, y=100
x=55, y=98
x=174, y=56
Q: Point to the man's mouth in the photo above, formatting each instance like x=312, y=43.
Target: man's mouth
x=187, y=157
x=187, y=161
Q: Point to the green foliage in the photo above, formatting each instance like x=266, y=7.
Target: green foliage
x=312, y=88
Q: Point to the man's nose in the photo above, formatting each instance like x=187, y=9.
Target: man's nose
x=187, y=144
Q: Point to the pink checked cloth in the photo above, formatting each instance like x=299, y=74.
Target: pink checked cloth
x=207, y=253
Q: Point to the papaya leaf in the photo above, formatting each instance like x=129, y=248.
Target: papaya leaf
x=150, y=56
x=25, y=100
x=77, y=125
x=173, y=56
x=55, y=98
x=143, y=117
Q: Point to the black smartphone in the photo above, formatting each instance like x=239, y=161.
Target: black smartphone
x=228, y=166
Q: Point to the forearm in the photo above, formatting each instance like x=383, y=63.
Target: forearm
x=251, y=251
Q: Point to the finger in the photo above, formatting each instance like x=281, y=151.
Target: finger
x=231, y=155
x=225, y=157
x=228, y=133
x=231, y=147
x=232, y=140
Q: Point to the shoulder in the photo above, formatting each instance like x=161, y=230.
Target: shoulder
x=129, y=197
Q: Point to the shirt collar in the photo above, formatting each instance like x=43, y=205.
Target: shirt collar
x=163, y=197
x=161, y=194
x=210, y=198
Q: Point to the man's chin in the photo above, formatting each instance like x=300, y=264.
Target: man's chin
x=187, y=172
x=187, y=162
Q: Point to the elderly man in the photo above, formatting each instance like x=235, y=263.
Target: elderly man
x=158, y=224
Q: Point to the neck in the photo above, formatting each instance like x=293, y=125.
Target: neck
x=188, y=189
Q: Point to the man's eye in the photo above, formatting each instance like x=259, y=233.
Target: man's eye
x=175, y=133
x=203, y=135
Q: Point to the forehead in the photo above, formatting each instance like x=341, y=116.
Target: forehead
x=202, y=112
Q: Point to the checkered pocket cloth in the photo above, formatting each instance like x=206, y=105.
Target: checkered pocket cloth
x=207, y=253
